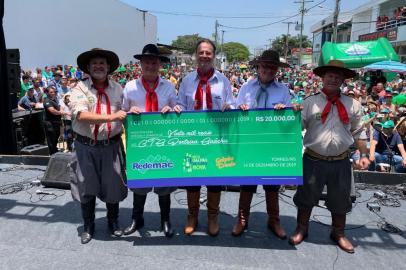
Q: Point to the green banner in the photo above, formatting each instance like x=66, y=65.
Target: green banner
x=214, y=148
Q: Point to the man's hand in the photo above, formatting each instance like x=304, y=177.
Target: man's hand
x=244, y=107
x=404, y=163
x=364, y=163
x=372, y=157
x=118, y=116
x=225, y=107
x=166, y=109
x=135, y=109
x=279, y=106
x=177, y=109
x=297, y=107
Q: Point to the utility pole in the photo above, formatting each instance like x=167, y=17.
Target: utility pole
x=221, y=50
x=302, y=11
x=222, y=40
x=216, y=25
x=287, y=40
x=270, y=43
x=335, y=22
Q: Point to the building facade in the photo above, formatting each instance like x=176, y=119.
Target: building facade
x=382, y=19
x=375, y=19
x=323, y=31
x=49, y=32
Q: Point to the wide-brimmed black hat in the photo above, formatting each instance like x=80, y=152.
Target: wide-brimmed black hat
x=334, y=65
x=271, y=57
x=151, y=50
x=84, y=59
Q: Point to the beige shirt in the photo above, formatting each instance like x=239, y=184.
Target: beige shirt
x=84, y=99
x=333, y=137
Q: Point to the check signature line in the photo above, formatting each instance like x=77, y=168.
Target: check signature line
x=199, y=144
x=214, y=135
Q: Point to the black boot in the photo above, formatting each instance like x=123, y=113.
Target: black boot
x=138, y=214
x=165, y=205
x=88, y=218
x=112, y=218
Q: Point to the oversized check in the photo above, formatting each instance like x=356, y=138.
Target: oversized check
x=214, y=148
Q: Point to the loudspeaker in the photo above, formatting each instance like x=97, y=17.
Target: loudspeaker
x=13, y=55
x=13, y=101
x=59, y=172
x=35, y=149
x=379, y=178
x=13, y=70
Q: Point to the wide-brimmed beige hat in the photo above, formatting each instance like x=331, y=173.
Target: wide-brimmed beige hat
x=335, y=65
x=84, y=59
x=271, y=57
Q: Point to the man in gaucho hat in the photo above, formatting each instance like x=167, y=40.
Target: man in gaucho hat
x=332, y=122
x=97, y=123
x=263, y=92
x=150, y=93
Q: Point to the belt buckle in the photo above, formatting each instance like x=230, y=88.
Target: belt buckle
x=92, y=142
x=106, y=142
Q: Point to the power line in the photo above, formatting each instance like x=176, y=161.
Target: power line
x=268, y=24
x=259, y=26
x=262, y=16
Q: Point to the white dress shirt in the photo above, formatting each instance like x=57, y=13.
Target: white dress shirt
x=134, y=95
x=220, y=91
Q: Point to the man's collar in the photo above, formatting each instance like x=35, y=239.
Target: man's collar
x=212, y=77
x=324, y=95
x=160, y=79
x=92, y=85
x=265, y=85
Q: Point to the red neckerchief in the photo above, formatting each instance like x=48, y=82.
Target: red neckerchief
x=151, y=98
x=100, y=93
x=204, y=79
x=342, y=112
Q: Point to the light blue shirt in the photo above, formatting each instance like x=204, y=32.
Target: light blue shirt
x=277, y=93
x=220, y=91
x=57, y=85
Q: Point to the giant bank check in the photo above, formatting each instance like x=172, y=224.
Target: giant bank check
x=214, y=148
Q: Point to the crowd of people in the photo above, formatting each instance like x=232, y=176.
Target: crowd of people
x=398, y=18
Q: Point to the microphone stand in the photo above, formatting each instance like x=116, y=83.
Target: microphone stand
x=390, y=152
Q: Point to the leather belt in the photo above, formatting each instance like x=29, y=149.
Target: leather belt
x=88, y=141
x=315, y=155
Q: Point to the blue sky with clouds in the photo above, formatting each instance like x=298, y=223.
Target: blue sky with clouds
x=235, y=14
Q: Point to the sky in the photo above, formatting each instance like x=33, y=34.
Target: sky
x=174, y=18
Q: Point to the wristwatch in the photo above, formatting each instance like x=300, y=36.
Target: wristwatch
x=364, y=155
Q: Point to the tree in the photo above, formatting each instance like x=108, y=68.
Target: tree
x=279, y=43
x=187, y=43
x=236, y=52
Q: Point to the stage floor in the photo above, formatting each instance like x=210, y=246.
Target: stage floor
x=44, y=234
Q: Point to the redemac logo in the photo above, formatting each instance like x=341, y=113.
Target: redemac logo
x=153, y=163
x=152, y=166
